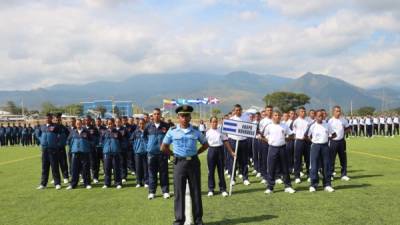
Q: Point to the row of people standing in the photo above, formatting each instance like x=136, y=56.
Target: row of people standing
x=369, y=126
x=13, y=134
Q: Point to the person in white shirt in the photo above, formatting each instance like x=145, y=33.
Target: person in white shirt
x=382, y=123
x=389, y=130
x=319, y=133
x=256, y=148
x=396, y=125
x=276, y=134
x=242, y=150
x=264, y=145
x=376, y=125
x=215, y=157
x=355, y=126
x=337, y=145
x=300, y=126
x=290, y=142
x=202, y=127
x=362, y=126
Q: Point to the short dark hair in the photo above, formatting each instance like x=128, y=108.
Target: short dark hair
x=269, y=107
x=157, y=109
x=237, y=106
x=302, y=107
x=213, y=118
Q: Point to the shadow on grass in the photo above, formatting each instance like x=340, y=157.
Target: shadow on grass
x=241, y=220
x=351, y=186
x=366, y=176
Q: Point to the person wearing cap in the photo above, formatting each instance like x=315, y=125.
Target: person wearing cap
x=49, y=138
x=184, y=139
x=81, y=147
x=154, y=132
x=62, y=142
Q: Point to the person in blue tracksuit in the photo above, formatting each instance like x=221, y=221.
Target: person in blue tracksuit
x=62, y=142
x=139, y=144
x=123, y=154
x=95, y=136
x=2, y=135
x=49, y=138
x=37, y=132
x=111, y=141
x=154, y=132
x=30, y=135
x=80, y=146
x=99, y=150
x=24, y=135
x=130, y=127
x=14, y=134
x=9, y=140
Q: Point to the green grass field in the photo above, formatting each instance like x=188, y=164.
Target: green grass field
x=372, y=196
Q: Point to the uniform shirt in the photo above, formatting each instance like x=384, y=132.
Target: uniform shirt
x=202, y=127
x=80, y=141
x=396, y=120
x=389, y=120
x=184, y=141
x=382, y=120
x=276, y=134
x=355, y=122
x=154, y=136
x=263, y=124
x=362, y=121
x=368, y=121
x=139, y=144
x=376, y=121
x=235, y=137
x=215, y=138
x=49, y=136
x=300, y=126
x=320, y=133
x=338, y=126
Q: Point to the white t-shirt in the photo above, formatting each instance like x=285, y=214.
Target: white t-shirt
x=389, y=120
x=376, y=121
x=338, y=126
x=202, y=127
x=263, y=124
x=215, y=138
x=300, y=126
x=396, y=120
x=320, y=133
x=382, y=120
x=276, y=134
x=368, y=121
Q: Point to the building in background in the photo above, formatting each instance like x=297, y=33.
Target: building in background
x=110, y=108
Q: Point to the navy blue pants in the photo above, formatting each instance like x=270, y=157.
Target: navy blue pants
x=320, y=153
x=96, y=157
x=389, y=131
x=80, y=165
x=142, y=169
x=62, y=156
x=301, y=149
x=277, y=156
x=242, y=159
x=256, y=155
x=158, y=164
x=290, y=154
x=264, y=159
x=131, y=161
x=187, y=170
x=215, y=160
x=396, y=129
x=112, y=163
x=382, y=129
x=123, y=155
x=50, y=160
x=369, y=130
x=338, y=148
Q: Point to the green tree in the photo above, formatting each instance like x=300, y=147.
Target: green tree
x=286, y=101
x=365, y=111
x=73, y=109
x=48, y=107
x=215, y=112
x=12, y=108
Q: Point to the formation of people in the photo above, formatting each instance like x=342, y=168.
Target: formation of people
x=16, y=134
x=370, y=126
x=296, y=145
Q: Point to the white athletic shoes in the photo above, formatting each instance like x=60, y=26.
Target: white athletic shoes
x=297, y=181
x=329, y=189
x=88, y=187
x=66, y=181
x=166, y=196
x=210, y=194
x=58, y=187
x=290, y=190
x=268, y=191
x=279, y=181
x=345, y=178
x=41, y=187
x=312, y=189
x=246, y=182
x=224, y=194
x=151, y=196
x=119, y=186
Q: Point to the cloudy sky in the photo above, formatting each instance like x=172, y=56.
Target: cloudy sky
x=45, y=42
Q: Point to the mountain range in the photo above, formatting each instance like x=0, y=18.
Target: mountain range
x=237, y=87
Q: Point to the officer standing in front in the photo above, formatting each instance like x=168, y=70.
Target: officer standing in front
x=187, y=164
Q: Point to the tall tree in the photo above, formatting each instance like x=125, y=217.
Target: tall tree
x=12, y=108
x=286, y=101
x=48, y=107
x=74, y=109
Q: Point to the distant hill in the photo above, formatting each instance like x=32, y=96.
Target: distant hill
x=236, y=87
